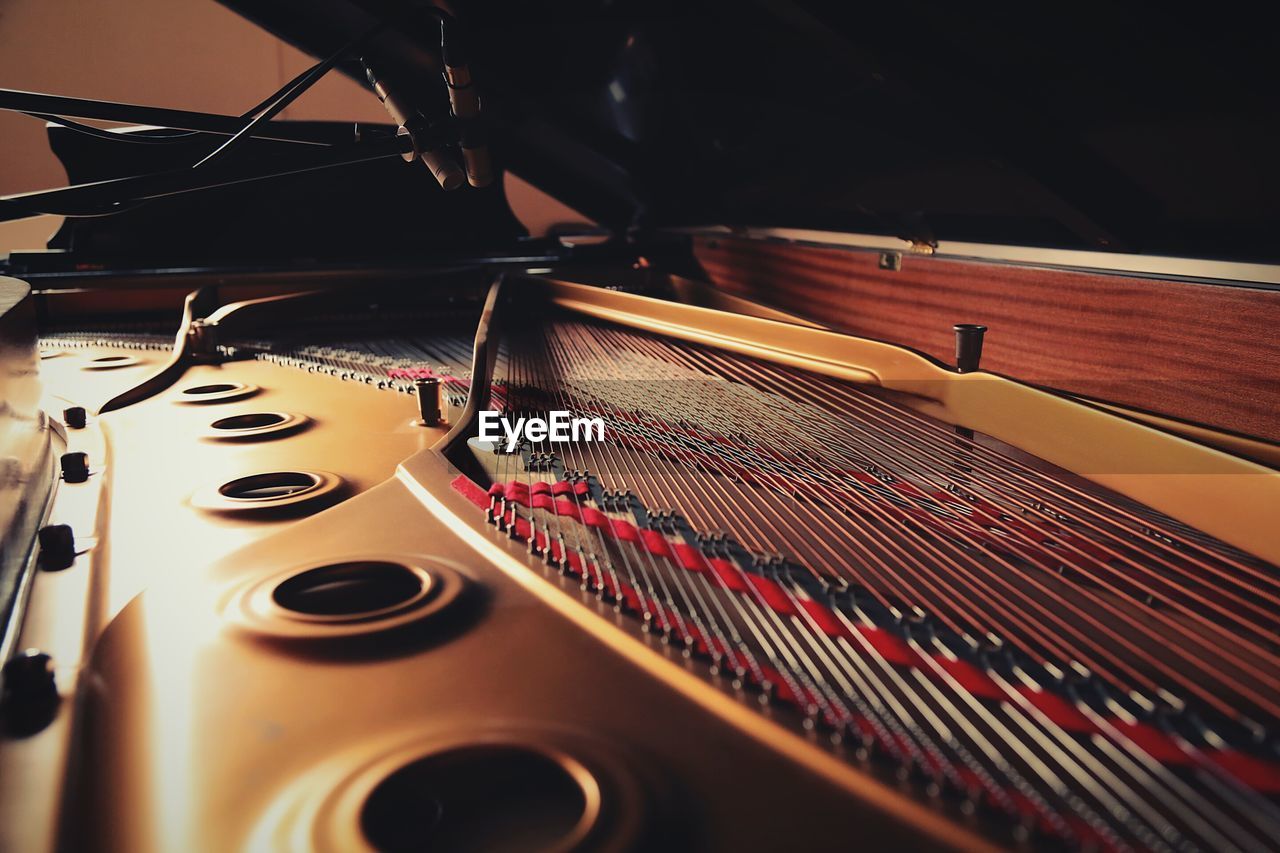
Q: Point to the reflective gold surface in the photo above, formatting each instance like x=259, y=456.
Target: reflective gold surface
x=201, y=731
x=136, y=518
x=211, y=717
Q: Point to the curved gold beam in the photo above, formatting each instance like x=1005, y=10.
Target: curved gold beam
x=179, y=357
x=195, y=334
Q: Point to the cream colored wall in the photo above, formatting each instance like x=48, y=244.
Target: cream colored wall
x=188, y=54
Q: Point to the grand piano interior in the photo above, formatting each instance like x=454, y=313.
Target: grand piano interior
x=891, y=465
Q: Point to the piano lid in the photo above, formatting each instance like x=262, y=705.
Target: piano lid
x=1099, y=125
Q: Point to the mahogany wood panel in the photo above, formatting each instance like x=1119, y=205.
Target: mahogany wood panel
x=1199, y=352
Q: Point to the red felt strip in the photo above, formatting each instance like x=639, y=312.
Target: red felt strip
x=863, y=725
x=1259, y=774
x=784, y=692
x=515, y=489
x=463, y=485
x=656, y=543
x=907, y=489
x=594, y=576
x=970, y=677
x=630, y=597
x=969, y=778
x=417, y=373
x=773, y=594
x=691, y=558
x=890, y=646
x=738, y=661
x=729, y=575
x=1059, y=710
x=1152, y=741
x=624, y=530
x=824, y=617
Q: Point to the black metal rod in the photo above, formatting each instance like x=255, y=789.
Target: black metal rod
x=14, y=100
x=100, y=194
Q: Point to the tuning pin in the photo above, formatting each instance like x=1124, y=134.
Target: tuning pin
x=427, y=389
x=968, y=346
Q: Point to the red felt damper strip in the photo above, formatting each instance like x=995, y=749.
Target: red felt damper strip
x=594, y=577
x=1152, y=741
x=420, y=373
x=1059, y=710
x=691, y=558
x=970, y=678
x=1259, y=774
x=824, y=617
x=728, y=574
x=783, y=691
x=594, y=518
x=864, y=727
x=773, y=594
x=656, y=543
x=890, y=646
x=624, y=530
x=632, y=598
x=559, y=488
x=463, y=485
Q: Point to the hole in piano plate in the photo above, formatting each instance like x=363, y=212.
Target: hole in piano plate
x=110, y=362
x=256, y=426
x=334, y=605
x=482, y=797
x=216, y=388
x=349, y=588
x=270, y=486
x=216, y=392
x=268, y=492
x=254, y=420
